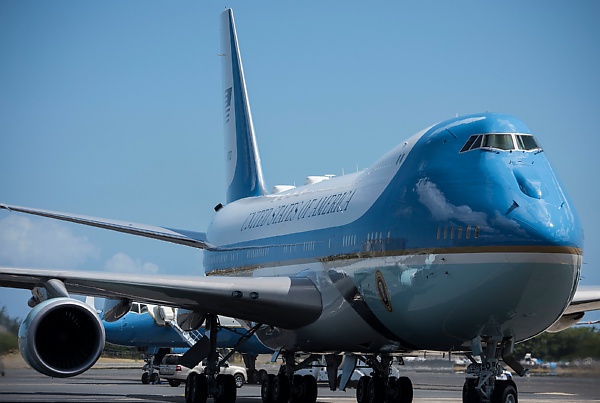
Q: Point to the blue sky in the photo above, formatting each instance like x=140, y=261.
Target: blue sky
x=113, y=109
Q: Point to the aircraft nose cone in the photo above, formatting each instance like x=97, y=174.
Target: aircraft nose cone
x=549, y=224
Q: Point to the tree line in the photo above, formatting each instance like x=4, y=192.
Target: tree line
x=574, y=343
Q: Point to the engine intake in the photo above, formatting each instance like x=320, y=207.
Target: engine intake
x=61, y=337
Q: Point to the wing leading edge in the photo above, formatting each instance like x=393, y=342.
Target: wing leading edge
x=587, y=298
x=182, y=237
x=266, y=300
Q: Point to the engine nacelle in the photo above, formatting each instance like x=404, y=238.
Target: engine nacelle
x=61, y=337
x=565, y=322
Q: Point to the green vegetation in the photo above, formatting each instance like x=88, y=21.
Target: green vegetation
x=573, y=343
x=8, y=339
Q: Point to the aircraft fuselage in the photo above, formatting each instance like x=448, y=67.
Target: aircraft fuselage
x=463, y=230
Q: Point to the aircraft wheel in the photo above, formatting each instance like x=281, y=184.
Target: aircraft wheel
x=253, y=377
x=505, y=392
x=280, y=389
x=266, y=388
x=376, y=390
x=154, y=378
x=228, y=390
x=174, y=382
x=145, y=378
x=262, y=374
x=190, y=387
x=361, y=389
x=297, y=389
x=310, y=389
x=196, y=388
x=469, y=394
x=405, y=389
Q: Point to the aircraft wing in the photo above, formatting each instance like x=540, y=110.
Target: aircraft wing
x=587, y=298
x=183, y=237
x=286, y=302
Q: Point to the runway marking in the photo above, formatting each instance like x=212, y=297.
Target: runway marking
x=556, y=393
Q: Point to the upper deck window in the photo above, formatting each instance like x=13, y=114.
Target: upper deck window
x=505, y=142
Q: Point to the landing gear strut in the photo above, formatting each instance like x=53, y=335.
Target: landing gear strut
x=485, y=381
x=381, y=387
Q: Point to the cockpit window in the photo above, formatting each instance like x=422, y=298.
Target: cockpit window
x=507, y=142
x=527, y=142
x=499, y=141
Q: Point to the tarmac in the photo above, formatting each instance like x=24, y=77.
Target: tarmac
x=119, y=381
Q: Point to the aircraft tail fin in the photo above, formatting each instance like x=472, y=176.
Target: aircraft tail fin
x=244, y=171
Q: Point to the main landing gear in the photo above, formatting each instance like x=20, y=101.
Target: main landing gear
x=380, y=387
x=199, y=387
x=485, y=381
x=153, y=359
x=285, y=386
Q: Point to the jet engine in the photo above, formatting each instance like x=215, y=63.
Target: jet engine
x=565, y=322
x=61, y=337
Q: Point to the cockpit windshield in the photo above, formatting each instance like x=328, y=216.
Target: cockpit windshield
x=504, y=141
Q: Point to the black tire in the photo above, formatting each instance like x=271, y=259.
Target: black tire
x=404, y=386
x=239, y=380
x=376, y=390
x=505, y=392
x=196, y=388
x=469, y=394
x=280, y=389
x=228, y=388
x=252, y=376
x=174, y=382
x=297, y=389
x=190, y=387
x=361, y=389
x=310, y=389
x=154, y=378
x=262, y=374
x=266, y=388
x=201, y=389
x=145, y=378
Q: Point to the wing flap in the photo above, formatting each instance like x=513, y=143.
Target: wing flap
x=182, y=237
x=286, y=302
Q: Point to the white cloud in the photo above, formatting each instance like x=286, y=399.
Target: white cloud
x=41, y=243
x=122, y=263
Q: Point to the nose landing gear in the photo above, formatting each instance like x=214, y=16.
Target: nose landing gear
x=486, y=381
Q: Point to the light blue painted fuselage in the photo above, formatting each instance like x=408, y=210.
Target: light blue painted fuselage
x=431, y=246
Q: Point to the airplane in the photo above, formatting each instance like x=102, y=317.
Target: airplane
x=461, y=238
x=154, y=329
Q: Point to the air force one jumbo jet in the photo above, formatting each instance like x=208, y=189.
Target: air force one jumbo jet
x=458, y=239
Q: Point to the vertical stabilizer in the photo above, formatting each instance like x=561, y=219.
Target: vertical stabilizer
x=244, y=172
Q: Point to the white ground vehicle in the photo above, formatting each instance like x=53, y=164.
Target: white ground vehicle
x=175, y=374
